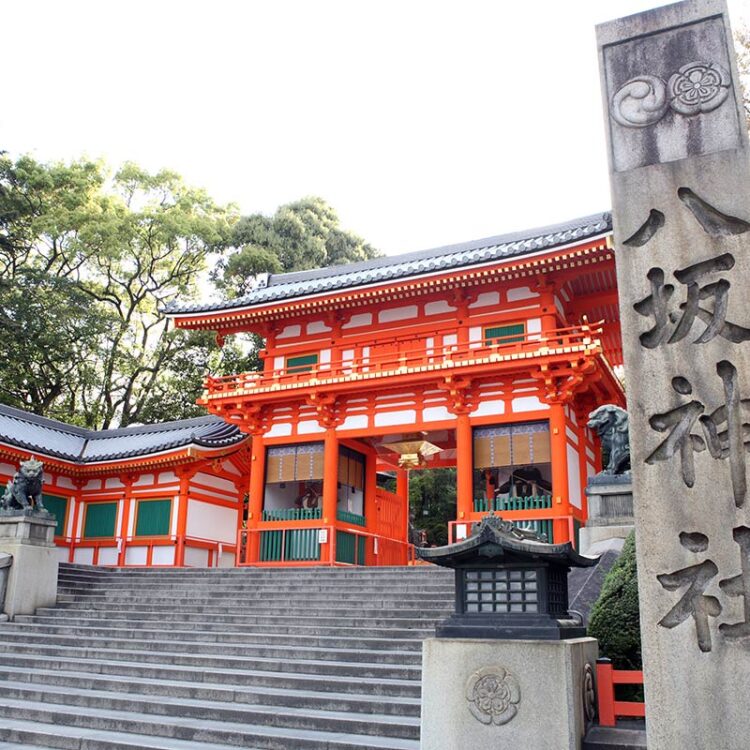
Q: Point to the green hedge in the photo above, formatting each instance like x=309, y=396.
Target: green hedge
x=615, y=617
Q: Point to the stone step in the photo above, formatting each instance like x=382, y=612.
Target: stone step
x=218, y=661
x=247, y=635
x=232, y=644
x=266, y=696
x=347, y=721
x=352, y=599
x=377, y=686
x=181, y=728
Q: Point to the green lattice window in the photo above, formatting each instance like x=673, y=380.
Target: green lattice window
x=301, y=363
x=506, y=334
x=153, y=517
x=58, y=507
x=100, y=520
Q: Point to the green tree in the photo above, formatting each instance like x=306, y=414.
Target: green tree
x=615, y=617
x=432, y=502
x=301, y=235
x=126, y=245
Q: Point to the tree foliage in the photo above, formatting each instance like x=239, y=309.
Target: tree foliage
x=301, y=235
x=87, y=260
x=432, y=502
x=615, y=617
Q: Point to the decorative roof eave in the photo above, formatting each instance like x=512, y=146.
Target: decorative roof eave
x=159, y=459
x=497, y=537
x=569, y=257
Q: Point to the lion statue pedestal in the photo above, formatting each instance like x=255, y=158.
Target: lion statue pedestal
x=27, y=533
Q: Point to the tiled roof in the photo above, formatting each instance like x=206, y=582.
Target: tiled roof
x=48, y=437
x=388, y=268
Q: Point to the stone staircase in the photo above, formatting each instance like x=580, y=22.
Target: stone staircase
x=195, y=659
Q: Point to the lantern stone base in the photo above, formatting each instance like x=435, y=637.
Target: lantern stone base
x=506, y=694
x=32, y=578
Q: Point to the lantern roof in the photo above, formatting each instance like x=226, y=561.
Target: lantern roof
x=497, y=541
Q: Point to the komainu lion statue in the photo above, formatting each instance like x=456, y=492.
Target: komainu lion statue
x=611, y=424
x=25, y=489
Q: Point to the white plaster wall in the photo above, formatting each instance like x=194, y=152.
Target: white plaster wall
x=354, y=422
x=114, y=483
x=196, y=558
x=8, y=469
x=571, y=435
x=309, y=427
x=534, y=329
x=490, y=407
x=317, y=326
x=61, y=553
x=135, y=555
x=290, y=332
x=207, y=521
x=93, y=484
x=436, y=414
x=218, y=483
x=280, y=429
x=65, y=482
x=108, y=556
x=521, y=292
x=278, y=363
x=168, y=477
x=84, y=556
x=144, y=479
x=363, y=319
x=325, y=357
x=485, y=299
x=388, y=418
x=398, y=313
x=226, y=560
x=574, y=477
x=437, y=307
x=528, y=403
x=175, y=512
x=162, y=556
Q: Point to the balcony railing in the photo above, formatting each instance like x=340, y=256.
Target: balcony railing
x=406, y=354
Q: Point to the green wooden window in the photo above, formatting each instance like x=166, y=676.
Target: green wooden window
x=100, y=520
x=506, y=334
x=350, y=548
x=58, y=507
x=302, y=363
x=299, y=544
x=153, y=517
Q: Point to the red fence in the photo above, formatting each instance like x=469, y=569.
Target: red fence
x=610, y=708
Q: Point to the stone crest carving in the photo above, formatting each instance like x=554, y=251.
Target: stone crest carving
x=695, y=88
x=493, y=694
x=589, y=693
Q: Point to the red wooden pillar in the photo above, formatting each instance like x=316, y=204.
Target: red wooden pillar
x=78, y=503
x=255, y=500
x=125, y=520
x=330, y=492
x=464, y=468
x=559, y=454
x=185, y=474
x=372, y=522
x=402, y=490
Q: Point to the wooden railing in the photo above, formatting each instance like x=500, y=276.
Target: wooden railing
x=407, y=354
x=609, y=708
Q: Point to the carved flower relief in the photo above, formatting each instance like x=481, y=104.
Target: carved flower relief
x=493, y=694
x=698, y=87
x=589, y=693
x=695, y=88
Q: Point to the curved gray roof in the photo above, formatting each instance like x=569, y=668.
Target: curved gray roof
x=387, y=268
x=48, y=437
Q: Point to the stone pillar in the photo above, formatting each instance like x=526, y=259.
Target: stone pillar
x=680, y=178
x=32, y=582
x=610, y=509
x=528, y=694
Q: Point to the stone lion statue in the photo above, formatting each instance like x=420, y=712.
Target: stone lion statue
x=25, y=489
x=610, y=422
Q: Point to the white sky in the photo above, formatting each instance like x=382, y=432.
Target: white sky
x=422, y=122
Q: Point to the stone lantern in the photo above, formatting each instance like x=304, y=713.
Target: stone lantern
x=510, y=584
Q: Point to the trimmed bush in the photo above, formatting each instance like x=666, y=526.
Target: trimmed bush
x=615, y=617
